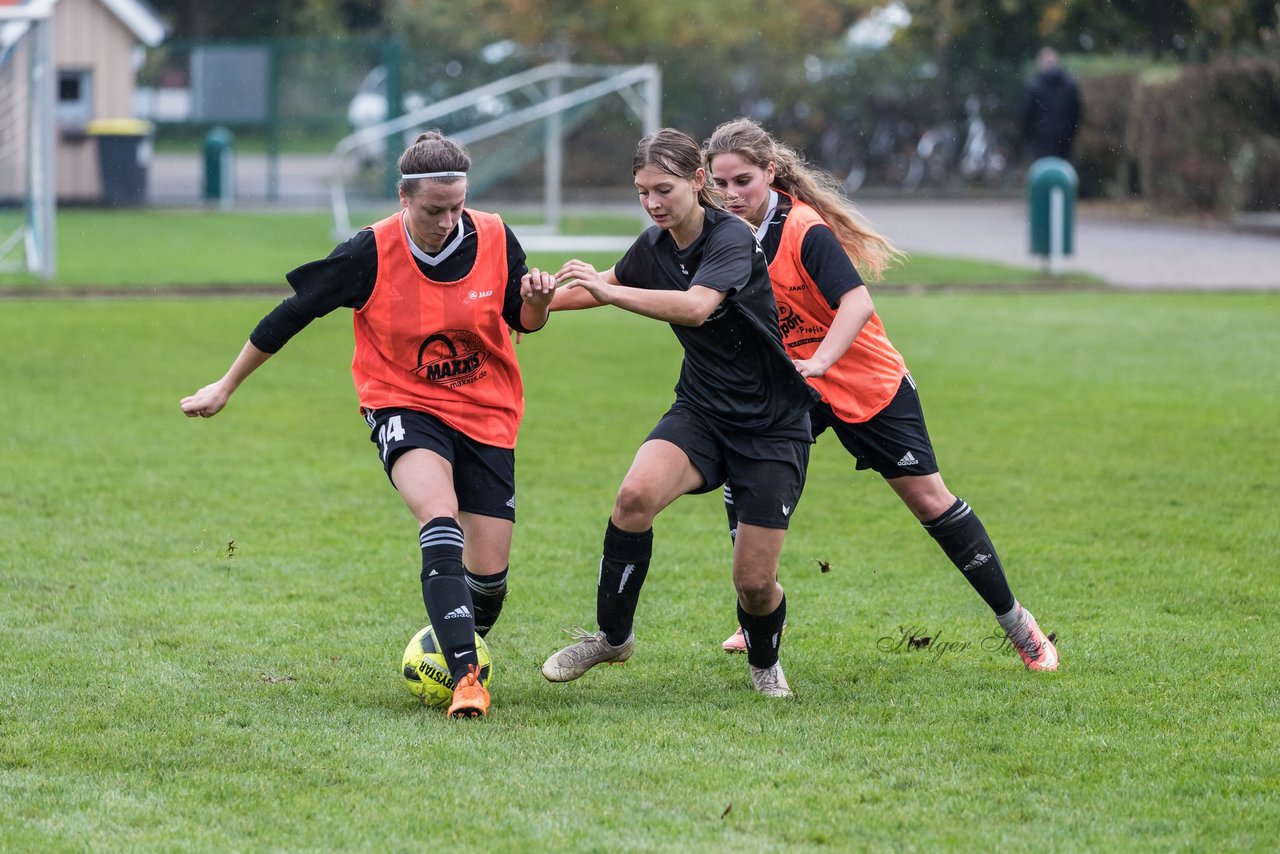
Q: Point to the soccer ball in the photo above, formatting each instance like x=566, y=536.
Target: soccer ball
x=426, y=674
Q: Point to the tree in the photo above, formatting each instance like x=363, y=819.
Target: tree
x=200, y=20
x=985, y=46
x=1230, y=24
x=719, y=58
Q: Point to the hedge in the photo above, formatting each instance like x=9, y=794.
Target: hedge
x=1205, y=138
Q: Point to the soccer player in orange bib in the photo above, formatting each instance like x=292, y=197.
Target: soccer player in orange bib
x=813, y=238
x=436, y=290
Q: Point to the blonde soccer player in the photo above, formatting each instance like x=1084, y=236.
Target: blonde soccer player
x=812, y=239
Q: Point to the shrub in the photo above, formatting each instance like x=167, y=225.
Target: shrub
x=1204, y=137
x=1103, y=161
x=1208, y=140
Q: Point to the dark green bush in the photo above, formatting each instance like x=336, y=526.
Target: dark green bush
x=1203, y=137
x=1102, y=159
x=1208, y=140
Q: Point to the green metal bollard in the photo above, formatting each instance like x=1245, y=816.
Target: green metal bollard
x=219, y=167
x=1051, y=202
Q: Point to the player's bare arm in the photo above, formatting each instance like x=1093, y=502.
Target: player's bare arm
x=537, y=288
x=574, y=298
x=853, y=313
x=684, y=308
x=210, y=400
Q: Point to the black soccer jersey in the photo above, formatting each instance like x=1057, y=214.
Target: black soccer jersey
x=735, y=370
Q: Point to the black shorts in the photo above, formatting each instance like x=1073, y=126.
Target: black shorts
x=765, y=471
x=894, y=441
x=484, y=476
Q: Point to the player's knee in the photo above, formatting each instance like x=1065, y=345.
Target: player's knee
x=924, y=510
x=635, y=507
x=755, y=588
x=928, y=500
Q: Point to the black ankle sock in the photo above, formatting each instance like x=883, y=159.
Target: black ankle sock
x=487, y=594
x=445, y=594
x=763, y=634
x=622, y=572
x=964, y=539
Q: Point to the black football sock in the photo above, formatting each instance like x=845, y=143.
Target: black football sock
x=763, y=634
x=622, y=570
x=445, y=593
x=732, y=512
x=487, y=593
x=964, y=539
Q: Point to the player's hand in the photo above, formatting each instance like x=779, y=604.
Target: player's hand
x=205, y=403
x=537, y=287
x=810, y=367
x=580, y=274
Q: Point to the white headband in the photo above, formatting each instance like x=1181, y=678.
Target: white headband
x=433, y=175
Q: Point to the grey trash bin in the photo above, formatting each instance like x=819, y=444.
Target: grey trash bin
x=124, y=156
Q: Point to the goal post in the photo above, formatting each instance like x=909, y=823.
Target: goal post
x=533, y=110
x=28, y=198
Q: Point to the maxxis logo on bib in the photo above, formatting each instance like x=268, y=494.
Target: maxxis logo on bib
x=452, y=358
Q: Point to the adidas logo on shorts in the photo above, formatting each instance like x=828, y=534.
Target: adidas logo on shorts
x=458, y=613
x=908, y=459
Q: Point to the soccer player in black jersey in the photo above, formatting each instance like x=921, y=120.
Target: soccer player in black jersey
x=435, y=289
x=740, y=415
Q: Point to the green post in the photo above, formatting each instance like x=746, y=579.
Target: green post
x=395, y=109
x=219, y=167
x=273, y=121
x=1051, y=203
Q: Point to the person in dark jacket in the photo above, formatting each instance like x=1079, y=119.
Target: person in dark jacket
x=1050, y=109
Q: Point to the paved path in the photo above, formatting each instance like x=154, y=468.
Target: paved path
x=1122, y=252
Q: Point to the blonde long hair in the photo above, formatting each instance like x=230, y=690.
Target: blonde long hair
x=870, y=251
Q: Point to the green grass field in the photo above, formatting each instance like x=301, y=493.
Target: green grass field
x=160, y=250
x=202, y=621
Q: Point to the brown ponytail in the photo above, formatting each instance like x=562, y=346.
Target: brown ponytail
x=675, y=153
x=432, y=151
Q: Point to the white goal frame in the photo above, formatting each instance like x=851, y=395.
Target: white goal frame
x=27, y=142
x=557, y=86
